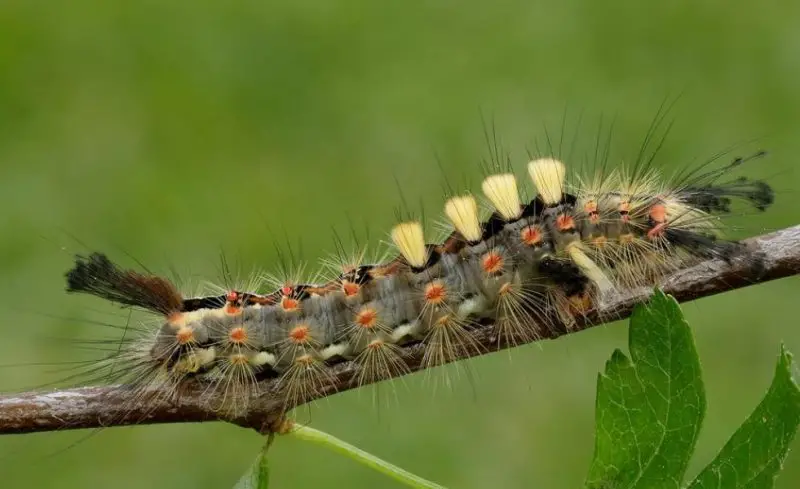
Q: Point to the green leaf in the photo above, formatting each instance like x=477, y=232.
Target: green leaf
x=649, y=407
x=754, y=455
x=257, y=476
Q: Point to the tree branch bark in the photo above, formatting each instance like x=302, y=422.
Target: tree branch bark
x=769, y=257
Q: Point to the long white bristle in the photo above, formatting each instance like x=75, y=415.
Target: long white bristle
x=590, y=268
x=501, y=190
x=463, y=213
x=548, y=178
x=410, y=241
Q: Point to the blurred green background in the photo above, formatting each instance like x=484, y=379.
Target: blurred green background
x=171, y=130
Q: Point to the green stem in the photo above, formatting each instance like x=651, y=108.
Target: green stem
x=330, y=441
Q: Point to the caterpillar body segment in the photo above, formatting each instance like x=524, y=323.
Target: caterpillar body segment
x=528, y=271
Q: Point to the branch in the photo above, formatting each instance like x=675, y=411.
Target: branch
x=769, y=257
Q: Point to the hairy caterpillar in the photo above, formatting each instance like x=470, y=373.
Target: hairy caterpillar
x=530, y=267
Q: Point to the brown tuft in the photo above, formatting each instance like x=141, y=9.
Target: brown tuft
x=97, y=275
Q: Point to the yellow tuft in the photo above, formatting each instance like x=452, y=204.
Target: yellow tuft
x=463, y=213
x=589, y=268
x=548, y=178
x=410, y=241
x=501, y=190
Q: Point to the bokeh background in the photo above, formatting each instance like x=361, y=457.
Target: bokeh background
x=172, y=130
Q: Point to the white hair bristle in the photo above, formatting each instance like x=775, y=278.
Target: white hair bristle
x=548, y=178
x=501, y=190
x=410, y=242
x=592, y=271
x=463, y=213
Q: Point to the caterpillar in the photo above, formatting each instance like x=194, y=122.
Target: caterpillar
x=528, y=270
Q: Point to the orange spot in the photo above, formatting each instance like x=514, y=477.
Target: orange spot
x=232, y=296
x=531, y=235
x=599, y=241
x=175, y=319
x=565, y=222
x=591, y=209
x=435, y=293
x=300, y=334
x=657, y=231
x=237, y=335
x=367, y=317
x=232, y=309
x=289, y=304
x=185, y=335
x=658, y=213
x=287, y=290
x=350, y=288
x=492, y=262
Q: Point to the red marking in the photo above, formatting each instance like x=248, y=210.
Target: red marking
x=238, y=335
x=287, y=290
x=300, y=334
x=367, y=317
x=264, y=301
x=289, y=304
x=565, y=223
x=350, y=288
x=435, y=293
x=657, y=231
x=658, y=213
x=384, y=271
x=492, y=262
x=625, y=217
x=531, y=235
x=232, y=309
x=184, y=335
x=232, y=296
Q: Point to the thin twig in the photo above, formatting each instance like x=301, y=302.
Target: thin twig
x=771, y=256
x=320, y=437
